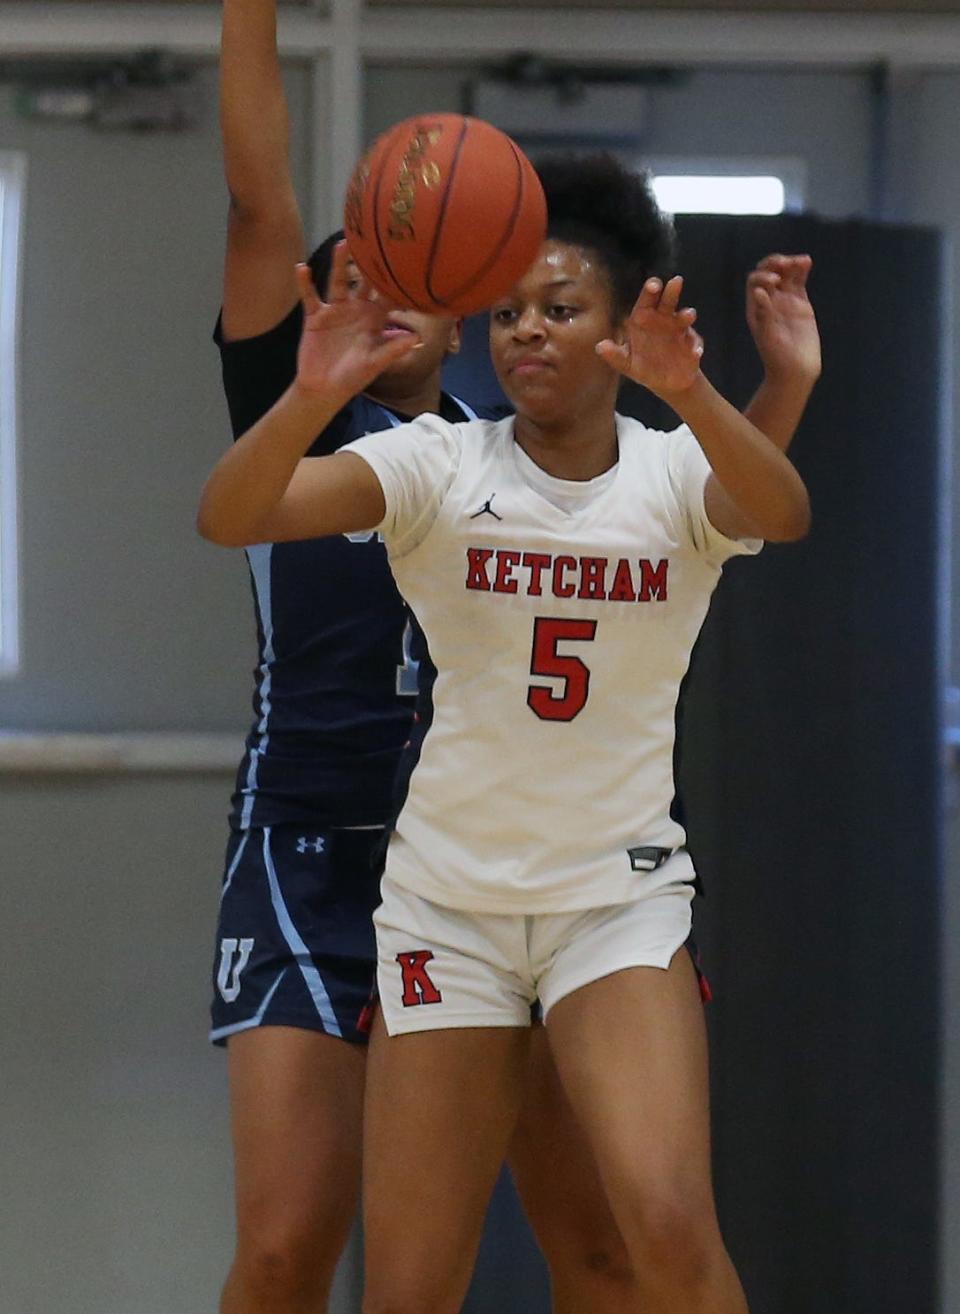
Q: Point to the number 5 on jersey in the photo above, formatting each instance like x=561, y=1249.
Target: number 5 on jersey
x=544, y=700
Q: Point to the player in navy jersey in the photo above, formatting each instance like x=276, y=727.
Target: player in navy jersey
x=535, y=854
x=295, y=955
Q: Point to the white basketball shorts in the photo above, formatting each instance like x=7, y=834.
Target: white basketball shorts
x=442, y=967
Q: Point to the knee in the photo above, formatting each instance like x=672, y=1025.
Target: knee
x=607, y=1260
x=582, y=1252
x=678, y=1238
x=585, y=1254
x=284, y=1271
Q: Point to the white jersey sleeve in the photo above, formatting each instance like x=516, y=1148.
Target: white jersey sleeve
x=688, y=470
x=415, y=463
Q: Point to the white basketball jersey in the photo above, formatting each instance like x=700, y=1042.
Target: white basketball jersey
x=559, y=618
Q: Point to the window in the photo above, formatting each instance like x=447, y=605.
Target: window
x=727, y=186
x=12, y=183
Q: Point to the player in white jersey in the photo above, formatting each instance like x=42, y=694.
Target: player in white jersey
x=560, y=565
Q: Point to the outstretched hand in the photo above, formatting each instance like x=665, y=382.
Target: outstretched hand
x=781, y=318
x=343, y=347
x=660, y=349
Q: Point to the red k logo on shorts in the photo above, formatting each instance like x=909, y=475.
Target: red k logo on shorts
x=417, y=986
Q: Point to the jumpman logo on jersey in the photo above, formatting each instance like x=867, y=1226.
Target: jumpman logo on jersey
x=487, y=509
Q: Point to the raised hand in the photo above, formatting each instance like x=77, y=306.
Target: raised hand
x=343, y=347
x=781, y=317
x=661, y=349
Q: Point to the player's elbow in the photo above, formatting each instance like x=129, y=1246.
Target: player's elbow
x=248, y=208
x=263, y=209
x=208, y=528
x=218, y=529
x=793, y=522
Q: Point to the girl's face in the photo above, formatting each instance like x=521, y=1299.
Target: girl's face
x=543, y=335
x=440, y=336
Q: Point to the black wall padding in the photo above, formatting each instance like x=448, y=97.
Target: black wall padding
x=811, y=779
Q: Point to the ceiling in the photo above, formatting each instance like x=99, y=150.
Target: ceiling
x=757, y=6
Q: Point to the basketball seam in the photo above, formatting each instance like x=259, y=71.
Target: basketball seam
x=404, y=294
x=504, y=239
x=438, y=227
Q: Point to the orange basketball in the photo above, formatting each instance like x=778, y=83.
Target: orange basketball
x=444, y=213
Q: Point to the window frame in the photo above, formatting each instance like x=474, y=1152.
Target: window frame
x=13, y=178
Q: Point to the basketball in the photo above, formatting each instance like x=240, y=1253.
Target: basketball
x=444, y=213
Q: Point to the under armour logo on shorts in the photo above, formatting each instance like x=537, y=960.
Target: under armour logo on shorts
x=317, y=845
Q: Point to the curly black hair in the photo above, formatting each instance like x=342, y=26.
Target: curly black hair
x=596, y=202
x=321, y=262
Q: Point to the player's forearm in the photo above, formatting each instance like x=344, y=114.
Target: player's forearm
x=753, y=470
x=777, y=407
x=253, y=108
x=248, y=483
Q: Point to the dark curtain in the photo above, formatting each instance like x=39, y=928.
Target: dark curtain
x=810, y=772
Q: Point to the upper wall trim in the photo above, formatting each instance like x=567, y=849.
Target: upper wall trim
x=429, y=35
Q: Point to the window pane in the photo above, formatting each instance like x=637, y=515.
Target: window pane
x=12, y=175
x=713, y=194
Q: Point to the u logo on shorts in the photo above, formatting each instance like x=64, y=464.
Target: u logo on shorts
x=228, y=982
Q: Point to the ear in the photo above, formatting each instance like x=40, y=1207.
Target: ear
x=455, y=340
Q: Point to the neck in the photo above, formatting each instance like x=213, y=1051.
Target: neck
x=407, y=398
x=578, y=452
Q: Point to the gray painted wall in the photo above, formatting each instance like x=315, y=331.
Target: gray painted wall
x=114, y=1136
x=114, y=1151
x=128, y=620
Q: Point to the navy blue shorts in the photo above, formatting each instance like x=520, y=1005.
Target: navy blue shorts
x=295, y=941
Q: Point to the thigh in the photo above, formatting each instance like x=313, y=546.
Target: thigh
x=296, y=1101
x=292, y=1001
x=556, y=1176
x=631, y=1052
x=295, y=944
x=441, y=1107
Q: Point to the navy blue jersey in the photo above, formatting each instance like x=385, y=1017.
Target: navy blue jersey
x=334, y=683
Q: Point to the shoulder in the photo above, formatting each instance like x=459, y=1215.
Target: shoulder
x=432, y=443
x=257, y=371
x=416, y=464
x=669, y=466
x=429, y=439
x=363, y=417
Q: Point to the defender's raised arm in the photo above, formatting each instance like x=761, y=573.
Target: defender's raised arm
x=264, y=230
